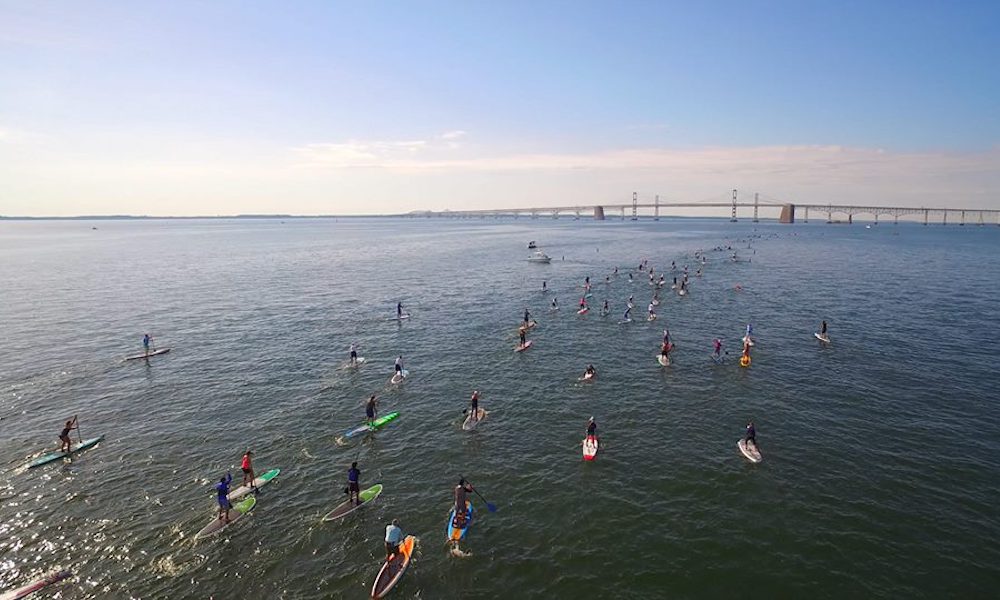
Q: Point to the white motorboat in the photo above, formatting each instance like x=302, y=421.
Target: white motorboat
x=539, y=257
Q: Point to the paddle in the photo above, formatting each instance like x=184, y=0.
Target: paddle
x=489, y=505
x=78, y=435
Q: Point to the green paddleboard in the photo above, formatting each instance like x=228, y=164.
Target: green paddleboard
x=379, y=422
x=236, y=513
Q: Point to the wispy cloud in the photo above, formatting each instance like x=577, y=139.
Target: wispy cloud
x=453, y=135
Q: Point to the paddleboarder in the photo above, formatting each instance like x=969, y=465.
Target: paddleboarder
x=371, y=409
x=544, y=287
x=399, y=365
x=521, y=332
x=461, y=492
x=606, y=309
x=399, y=310
x=527, y=317
x=718, y=347
x=67, y=443
x=628, y=311
x=393, y=537
x=822, y=330
x=751, y=436
x=145, y=343
x=354, y=484
x=555, y=304
x=247, y=467
x=591, y=427
x=354, y=354
x=475, y=402
x=222, y=495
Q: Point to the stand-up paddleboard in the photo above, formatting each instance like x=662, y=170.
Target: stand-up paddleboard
x=531, y=324
x=520, y=348
x=717, y=358
x=655, y=302
x=588, y=295
x=59, y=455
x=745, y=361
x=625, y=321
x=236, y=513
x=243, y=490
x=651, y=318
x=348, y=506
x=588, y=377
x=38, y=584
x=663, y=360
x=392, y=571
x=553, y=308
x=582, y=311
x=590, y=447
x=456, y=530
x=605, y=313
x=471, y=423
x=399, y=317
x=682, y=292
x=747, y=338
x=399, y=377
x=379, y=422
x=673, y=287
x=360, y=361
x=823, y=338
x=144, y=355
x=751, y=452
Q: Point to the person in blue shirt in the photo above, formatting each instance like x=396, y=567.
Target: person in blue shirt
x=354, y=484
x=628, y=311
x=145, y=343
x=222, y=490
x=393, y=536
x=399, y=310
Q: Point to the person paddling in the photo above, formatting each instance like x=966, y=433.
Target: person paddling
x=247, y=467
x=527, y=316
x=371, y=409
x=555, y=303
x=399, y=310
x=606, y=308
x=67, y=443
x=393, y=536
x=544, y=287
x=751, y=436
x=522, y=335
x=399, y=365
x=628, y=311
x=145, y=343
x=475, y=405
x=354, y=484
x=590, y=372
x=222, y=495
x=822, y=330
x=354, y=354
x=461, y=492
x=718, y=347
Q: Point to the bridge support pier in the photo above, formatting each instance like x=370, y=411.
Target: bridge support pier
x=806, y=219
x=598, y=213
x=755, y=220
x=962, y=223
x=656, y=209
x=788, y=214
x=733, y=219
x=850, y=218
x=926, y=212
x=623, y=213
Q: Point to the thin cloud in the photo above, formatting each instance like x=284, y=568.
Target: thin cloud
x=453, y=135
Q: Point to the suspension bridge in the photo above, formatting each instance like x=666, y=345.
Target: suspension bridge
x=787, y=212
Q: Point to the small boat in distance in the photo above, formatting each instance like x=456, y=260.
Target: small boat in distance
x=532, y=245
x=539, y=257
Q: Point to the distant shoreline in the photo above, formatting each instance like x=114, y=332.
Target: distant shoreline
x=416, y=215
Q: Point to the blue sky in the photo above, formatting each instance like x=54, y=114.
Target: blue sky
x=336, y=107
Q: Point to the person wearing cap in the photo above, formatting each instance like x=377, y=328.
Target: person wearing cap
x=354, y=484
x=247, y=467
x=393, y=536
x=592, y=427
x=751, y=435
x=475, y=405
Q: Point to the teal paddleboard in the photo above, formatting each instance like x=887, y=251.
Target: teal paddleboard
x=236, y=513
x=54, y=456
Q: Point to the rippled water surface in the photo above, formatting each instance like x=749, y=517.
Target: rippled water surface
x=880, y=451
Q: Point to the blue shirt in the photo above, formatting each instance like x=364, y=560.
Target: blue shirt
x=223, y=487
x=353, y=474
x=393, y=534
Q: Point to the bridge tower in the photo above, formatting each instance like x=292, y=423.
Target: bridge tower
x=635, y=206
x=925, y=216
x=733, y=219
x=962, y=223
x=755, y=220
x=656, y=210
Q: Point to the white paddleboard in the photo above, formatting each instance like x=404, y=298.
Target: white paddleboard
x=144, y=355
x=587, y=377
x=625, y=321
x=748, y=338
x=360, y=361
x=682, y=292
x=651, y=318
x=823, y=338
x=520, y=348
x=471, y=423
x=663, y=360
x=399, y=377
x=752, y=453
x=399, y=318
x=590, y=446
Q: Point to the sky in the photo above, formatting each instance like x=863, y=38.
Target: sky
x=301, y=107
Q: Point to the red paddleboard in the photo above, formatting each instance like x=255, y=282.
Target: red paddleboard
x=590, y=446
